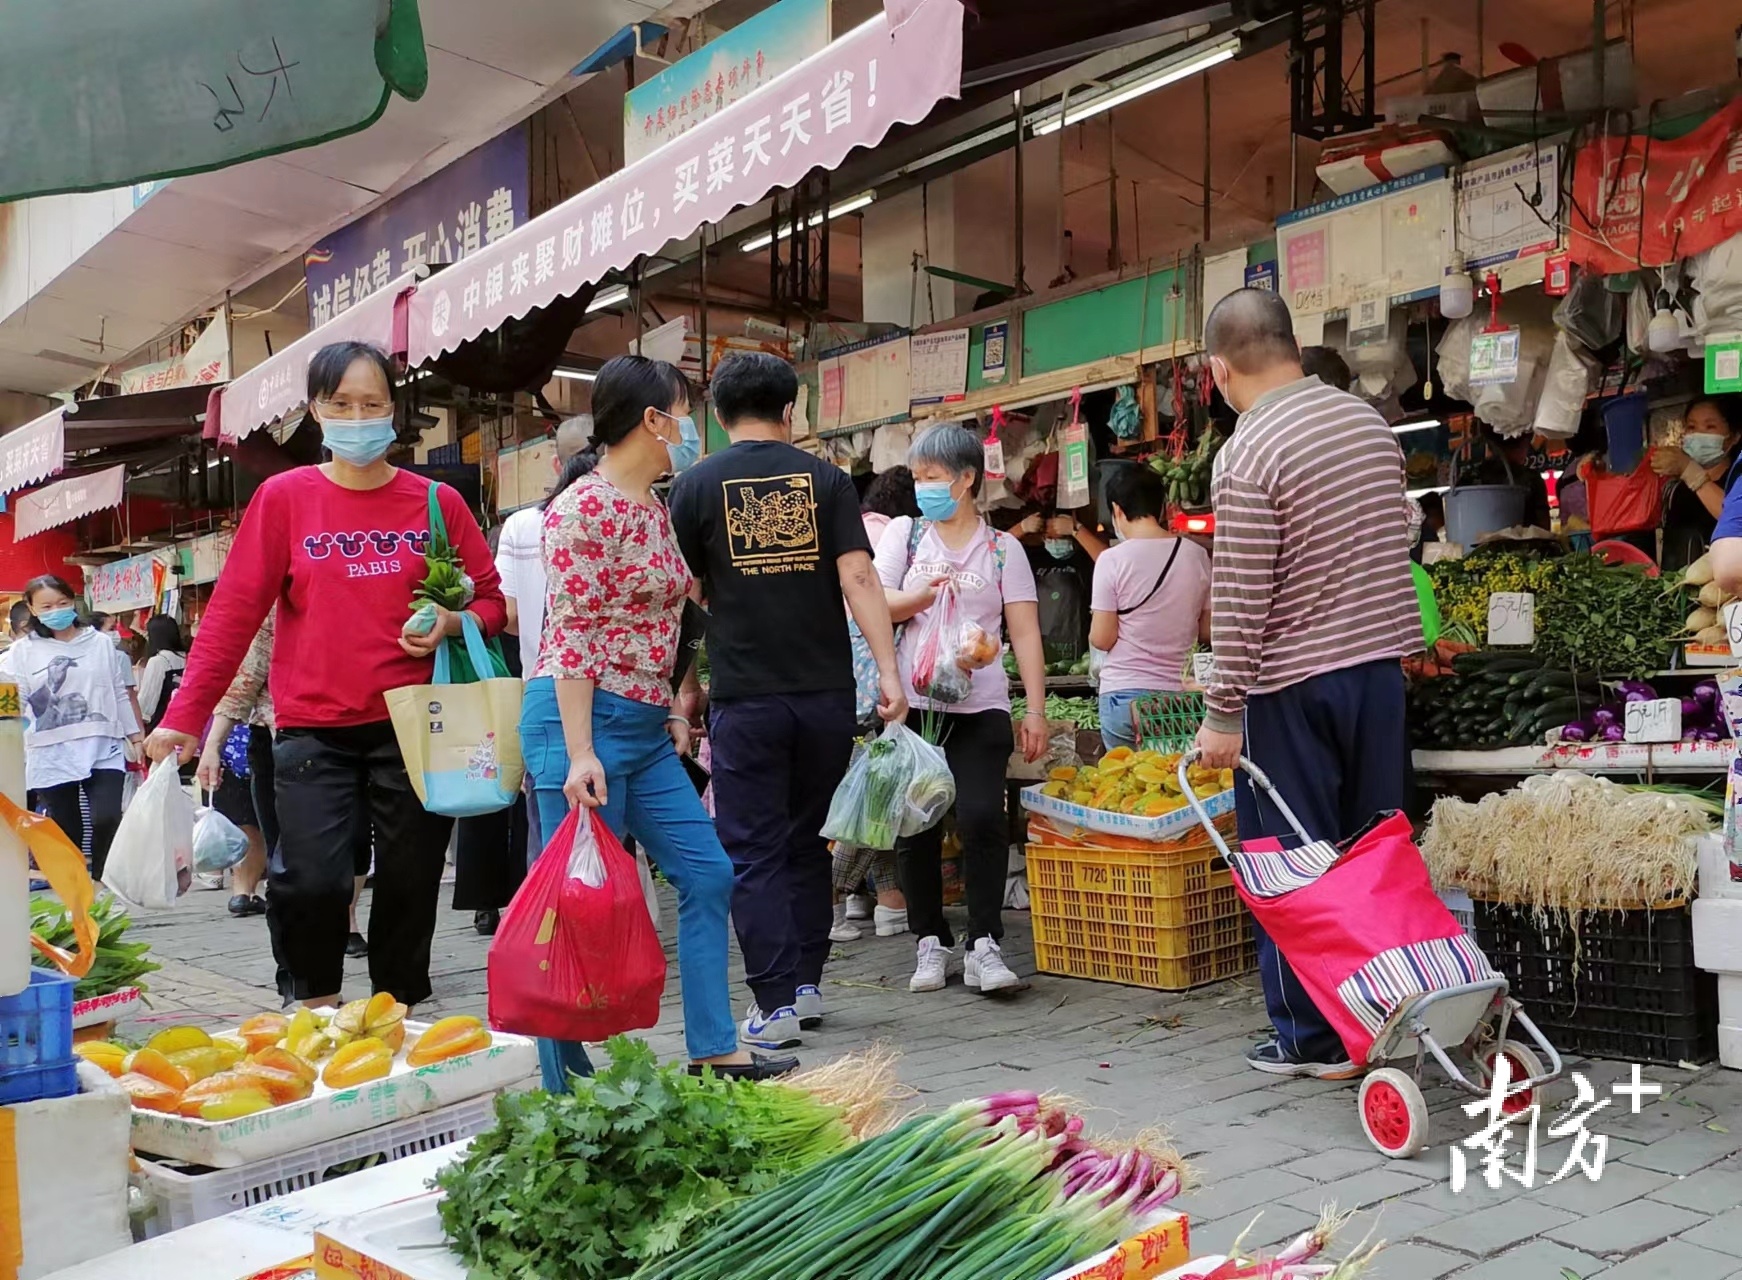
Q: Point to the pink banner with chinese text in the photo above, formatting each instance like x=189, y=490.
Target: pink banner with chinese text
x=848, y=95
x=278, y=384
x=33, y=452
x=67, y=500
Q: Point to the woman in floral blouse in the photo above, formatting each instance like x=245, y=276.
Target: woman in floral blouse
x=600, y=727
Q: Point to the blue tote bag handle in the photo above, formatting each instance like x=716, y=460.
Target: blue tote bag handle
x=475, y=650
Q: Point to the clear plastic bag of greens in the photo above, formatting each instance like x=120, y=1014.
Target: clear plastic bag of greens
x=869, y=808
x=930, y=792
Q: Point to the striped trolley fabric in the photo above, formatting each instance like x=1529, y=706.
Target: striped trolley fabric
x=1359, y=922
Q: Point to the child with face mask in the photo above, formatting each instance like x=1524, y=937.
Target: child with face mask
x=339, y=548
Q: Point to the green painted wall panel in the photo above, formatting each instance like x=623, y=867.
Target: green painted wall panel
x=1118, y=320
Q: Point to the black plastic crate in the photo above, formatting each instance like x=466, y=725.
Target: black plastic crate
x=1623, y=987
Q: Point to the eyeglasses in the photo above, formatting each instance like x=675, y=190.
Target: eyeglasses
x=355, y=408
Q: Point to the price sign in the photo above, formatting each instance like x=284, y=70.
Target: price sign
x=1656, y=721
x=1733, y=627
x=1204, y=668
x=1512, y=618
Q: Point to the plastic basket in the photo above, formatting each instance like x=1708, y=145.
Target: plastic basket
x=1622, y=986
x=1167, y=918
x=182, y=1195
x=1167, y=722
x=36, y=1040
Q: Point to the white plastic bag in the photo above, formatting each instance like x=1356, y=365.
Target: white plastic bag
x=218, y=843
x=587, y=866
x=647, y=883
x=152, y=858
x=1569, y=381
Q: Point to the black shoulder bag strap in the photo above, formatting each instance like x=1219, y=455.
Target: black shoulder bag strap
x=1172, y=556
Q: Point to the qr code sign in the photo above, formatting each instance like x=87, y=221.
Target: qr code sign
x=1727, y=367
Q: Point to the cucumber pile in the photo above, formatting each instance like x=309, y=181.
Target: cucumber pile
x=1497, y=698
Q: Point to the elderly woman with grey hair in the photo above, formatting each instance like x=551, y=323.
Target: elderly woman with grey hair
x=989, y=573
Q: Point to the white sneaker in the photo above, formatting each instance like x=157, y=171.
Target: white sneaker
x=890, y=921
x=808, y=1004
x=208, y=880
x=777, y=1030
x=933, y=969
x=984, y=970
x=858, y=907
x=844, y=930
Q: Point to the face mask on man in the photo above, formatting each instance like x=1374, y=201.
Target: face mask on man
x=1060, y=548
x=359, y=441
x=1703, y=447
x=936, y=502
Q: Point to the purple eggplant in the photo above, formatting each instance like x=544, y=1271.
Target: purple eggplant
x=1603, y=717
x=1707, y=692
x=1575, y=732
x=1635, y=686
x=1614, y=733
x=1638, y=695
x=1695, y=713
x=1709, y=735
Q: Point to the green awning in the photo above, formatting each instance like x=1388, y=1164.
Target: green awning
x=96, y=94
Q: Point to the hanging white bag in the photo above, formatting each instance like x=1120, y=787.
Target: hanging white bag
x=151, y=860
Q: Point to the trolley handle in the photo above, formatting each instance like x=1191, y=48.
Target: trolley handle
x=1259, y=779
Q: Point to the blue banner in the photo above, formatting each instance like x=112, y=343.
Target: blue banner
x=477, y=199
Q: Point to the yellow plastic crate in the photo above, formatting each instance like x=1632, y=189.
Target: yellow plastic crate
x=1167, y=918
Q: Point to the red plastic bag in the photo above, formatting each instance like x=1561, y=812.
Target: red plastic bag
x=576, y=956
x=1630, y=503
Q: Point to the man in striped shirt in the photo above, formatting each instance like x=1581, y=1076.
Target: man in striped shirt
x=1312, y=606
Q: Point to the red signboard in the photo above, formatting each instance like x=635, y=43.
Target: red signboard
x=1626, y=216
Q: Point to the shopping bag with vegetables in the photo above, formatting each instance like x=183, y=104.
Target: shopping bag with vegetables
x=938, y=673
x=897, y=784
x=576, y=957
x=152, y=857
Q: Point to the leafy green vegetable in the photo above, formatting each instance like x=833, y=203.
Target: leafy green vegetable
x=119, y=964
x=592, y=1183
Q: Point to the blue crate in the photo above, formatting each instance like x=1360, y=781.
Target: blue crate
x=36, y=1040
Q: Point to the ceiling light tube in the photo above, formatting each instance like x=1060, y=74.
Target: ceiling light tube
x=1404, y=428
x=575, y=375
x=851, y=205
x=608, y=298
x=1119, y=94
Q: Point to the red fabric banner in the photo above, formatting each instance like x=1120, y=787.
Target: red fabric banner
x=1624, y=217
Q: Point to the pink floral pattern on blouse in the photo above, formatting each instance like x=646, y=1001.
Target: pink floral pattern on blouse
x=616, y=583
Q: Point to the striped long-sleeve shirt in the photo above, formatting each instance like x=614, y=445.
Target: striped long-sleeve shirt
x=1311, y=565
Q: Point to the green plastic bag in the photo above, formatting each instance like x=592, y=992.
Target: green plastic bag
x=1431, y=625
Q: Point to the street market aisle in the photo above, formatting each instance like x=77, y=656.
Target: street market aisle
x=1139, y=1058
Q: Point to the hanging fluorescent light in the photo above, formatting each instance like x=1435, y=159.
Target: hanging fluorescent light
x=575, y=375
x=852, y=205
x=1404, y=428
x=609, y=298
x=1119, y=94
x=1422, y=493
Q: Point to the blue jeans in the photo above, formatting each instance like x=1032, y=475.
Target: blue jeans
x=652, y=799
x=1116, y=727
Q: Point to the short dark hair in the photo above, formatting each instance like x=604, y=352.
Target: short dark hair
x=48, y=582
x=1252, y=330
x=1325, y=364
x=626, y=388
x=328, y=367
x=99, y=619
x=752, y=384
x=19, y=617
x=890, y=493
x=1135, y=490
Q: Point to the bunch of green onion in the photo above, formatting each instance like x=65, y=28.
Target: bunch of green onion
x=1002, y=1186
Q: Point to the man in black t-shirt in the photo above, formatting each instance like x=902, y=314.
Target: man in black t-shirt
x=774, y=537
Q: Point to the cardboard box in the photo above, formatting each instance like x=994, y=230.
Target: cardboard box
x=1144, y=1256
x=69, y=1162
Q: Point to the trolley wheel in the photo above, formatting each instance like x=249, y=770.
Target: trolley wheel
x=1523, y=1064
x=1393, y=1113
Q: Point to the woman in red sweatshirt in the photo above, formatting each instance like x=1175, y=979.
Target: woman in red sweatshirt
x=339, y=548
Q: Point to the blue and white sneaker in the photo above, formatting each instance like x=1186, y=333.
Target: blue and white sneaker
x=777, y=1030
x=809, y=1006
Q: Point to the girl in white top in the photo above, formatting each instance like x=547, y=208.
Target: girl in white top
x=995, y=588
x=74, y=684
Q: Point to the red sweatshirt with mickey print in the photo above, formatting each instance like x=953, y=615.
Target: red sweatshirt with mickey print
x=341, y=565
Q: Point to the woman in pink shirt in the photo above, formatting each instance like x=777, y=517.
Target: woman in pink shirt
x=995, y=587
x=1149, y=602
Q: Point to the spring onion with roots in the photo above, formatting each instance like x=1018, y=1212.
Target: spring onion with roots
x=1296, y=1260
x=1004, y=1186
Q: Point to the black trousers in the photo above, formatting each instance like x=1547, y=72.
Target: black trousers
x=102, y=792
x=978, y=746
x=490, y=858
x=340, y=787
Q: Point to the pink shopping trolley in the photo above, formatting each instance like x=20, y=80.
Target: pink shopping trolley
x=1386, y=963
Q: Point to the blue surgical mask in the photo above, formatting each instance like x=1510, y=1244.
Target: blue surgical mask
x=689, y=446
x=359, y=441
x=1703, y=447
x=1060, y=548
x=58, y=619
x=936, y=502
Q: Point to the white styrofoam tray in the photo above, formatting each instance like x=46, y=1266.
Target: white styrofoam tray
x=110, y=1008
x=1169, y=826
x=335, y=1113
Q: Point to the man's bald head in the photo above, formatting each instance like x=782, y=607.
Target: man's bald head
x=1250, y=330
x=572, y=436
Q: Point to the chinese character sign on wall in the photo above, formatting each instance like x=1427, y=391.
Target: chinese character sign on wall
x=475, y=201
x=721, y=72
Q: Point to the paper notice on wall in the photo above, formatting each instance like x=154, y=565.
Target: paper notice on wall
x=939, y=366
x=1309, y=330
x=1223, y=274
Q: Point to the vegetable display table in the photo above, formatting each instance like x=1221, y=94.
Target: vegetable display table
x=1605, y=757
